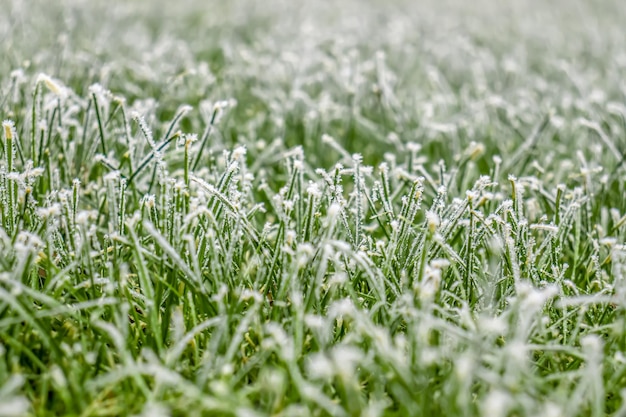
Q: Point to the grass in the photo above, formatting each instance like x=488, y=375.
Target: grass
x=294, y=209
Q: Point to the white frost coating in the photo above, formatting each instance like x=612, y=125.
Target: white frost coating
x=496, y=404
x=14, y=407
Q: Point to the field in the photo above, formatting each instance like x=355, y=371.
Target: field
x=295, y=208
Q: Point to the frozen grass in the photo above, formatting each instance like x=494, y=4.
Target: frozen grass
x=276, y=208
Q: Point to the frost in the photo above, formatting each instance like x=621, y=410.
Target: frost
x=432, y=220
x=14, y=407
x=239, y=153
x=341, y=308
x=496, y=404
x=313, y=190
x=155, y=410
x=9, y=129
x=53, y=85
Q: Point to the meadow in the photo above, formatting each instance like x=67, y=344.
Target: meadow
x=330, y=208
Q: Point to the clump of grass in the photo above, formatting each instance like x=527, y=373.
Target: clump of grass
x=381, y=224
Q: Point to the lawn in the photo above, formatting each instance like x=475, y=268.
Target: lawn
x=296, y=208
